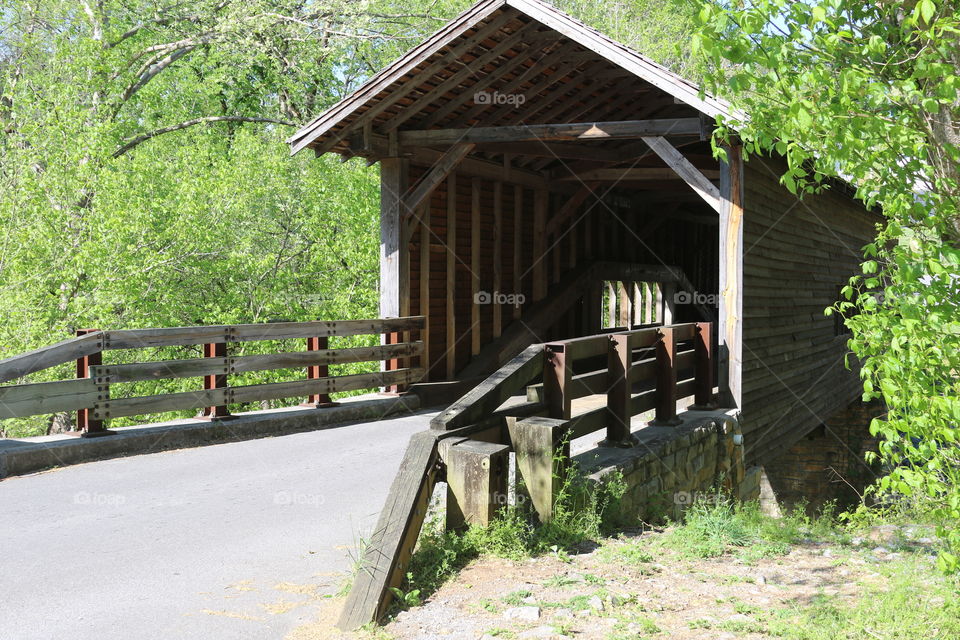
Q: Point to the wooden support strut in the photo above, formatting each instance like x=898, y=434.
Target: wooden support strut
x=87, y=426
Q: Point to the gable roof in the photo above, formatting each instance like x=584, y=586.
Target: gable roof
x=409, y=78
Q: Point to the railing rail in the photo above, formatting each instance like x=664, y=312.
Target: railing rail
x=89, y=394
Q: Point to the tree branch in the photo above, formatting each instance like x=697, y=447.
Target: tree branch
x=133, y=142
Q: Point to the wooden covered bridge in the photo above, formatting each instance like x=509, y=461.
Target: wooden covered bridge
x=554, y=227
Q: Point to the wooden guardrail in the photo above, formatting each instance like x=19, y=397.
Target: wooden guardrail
x=638, y=371
x=89, y=394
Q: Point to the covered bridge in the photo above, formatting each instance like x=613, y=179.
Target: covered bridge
x=541, y=181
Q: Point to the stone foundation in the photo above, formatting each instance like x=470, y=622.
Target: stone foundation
x=672, y=465
x=828, y=463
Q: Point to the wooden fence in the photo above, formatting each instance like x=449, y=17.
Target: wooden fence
x=636, y=370
x=89, y=394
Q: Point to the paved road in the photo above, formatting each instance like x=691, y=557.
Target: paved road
x=235, y=541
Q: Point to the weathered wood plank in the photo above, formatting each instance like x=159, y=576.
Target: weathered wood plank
x=425, y=256
x=391, y=544
x=48, y=397
x=730, y=324
x=625, y=129
x=685, y=169
x=625, y=175
x=180, y=336
x=162, y=403
x=198, y=367
x=517, y=246
x=487, y=396
x=46, y=357
x=451, y=275
x=497, y=258
x=393, y=184
x=541, y=200
x=438, y=173
x=475, y=226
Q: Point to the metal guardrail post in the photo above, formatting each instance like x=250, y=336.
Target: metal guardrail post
x=87, y=426
x=317, y=372
x=666, y=349
x=215, y=350
x=393, y=364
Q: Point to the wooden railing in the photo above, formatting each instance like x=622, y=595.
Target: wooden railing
x=639, y=370
x=676, y=360
x=89, y=394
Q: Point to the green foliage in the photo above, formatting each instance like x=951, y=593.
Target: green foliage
x=868, y=91
x=718, y=526
x=583, y=512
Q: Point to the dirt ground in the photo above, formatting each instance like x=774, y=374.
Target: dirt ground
x=628, y=588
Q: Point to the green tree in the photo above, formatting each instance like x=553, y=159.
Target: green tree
x=869, y=92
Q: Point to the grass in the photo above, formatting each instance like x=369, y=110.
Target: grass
x=583, y=513
x=713, y=528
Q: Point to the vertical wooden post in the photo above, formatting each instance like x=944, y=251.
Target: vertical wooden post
x=318, y=372
x=541, y=201
x=542, y=454
x=637, y=303
x=666, y=349
x=393, y=184
x=477, y=474
x=669, y=290
x=619, y=409
x=87, y=426
x=557, y=374
x=475, y=317
x=425, y=254
x=215, y=350
x=648, y=315
x=451, y=315
x=730, y=330
x=497, y=257
x=611, y=304
x=625, y=290
x=517, y=245
x=703, y=349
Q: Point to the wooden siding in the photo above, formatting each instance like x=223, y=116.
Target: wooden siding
x=796, y=256
x=610, y=232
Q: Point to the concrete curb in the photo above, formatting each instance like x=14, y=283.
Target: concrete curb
x=28, y=455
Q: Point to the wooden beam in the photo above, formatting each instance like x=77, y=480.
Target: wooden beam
x=456, y=79
x=621, y=175
x=497, y=257
x=625, y=129
x=451, y=315
x=730, y=330
x=541, y=199
x=441, y=169
x=685, y=169
x=393, y=182
x=569, y=208
x=475, y=189
x=425, y=289
x=517, y=246
x=381, y=81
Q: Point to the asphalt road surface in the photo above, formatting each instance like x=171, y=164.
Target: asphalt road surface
x=235, y=541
